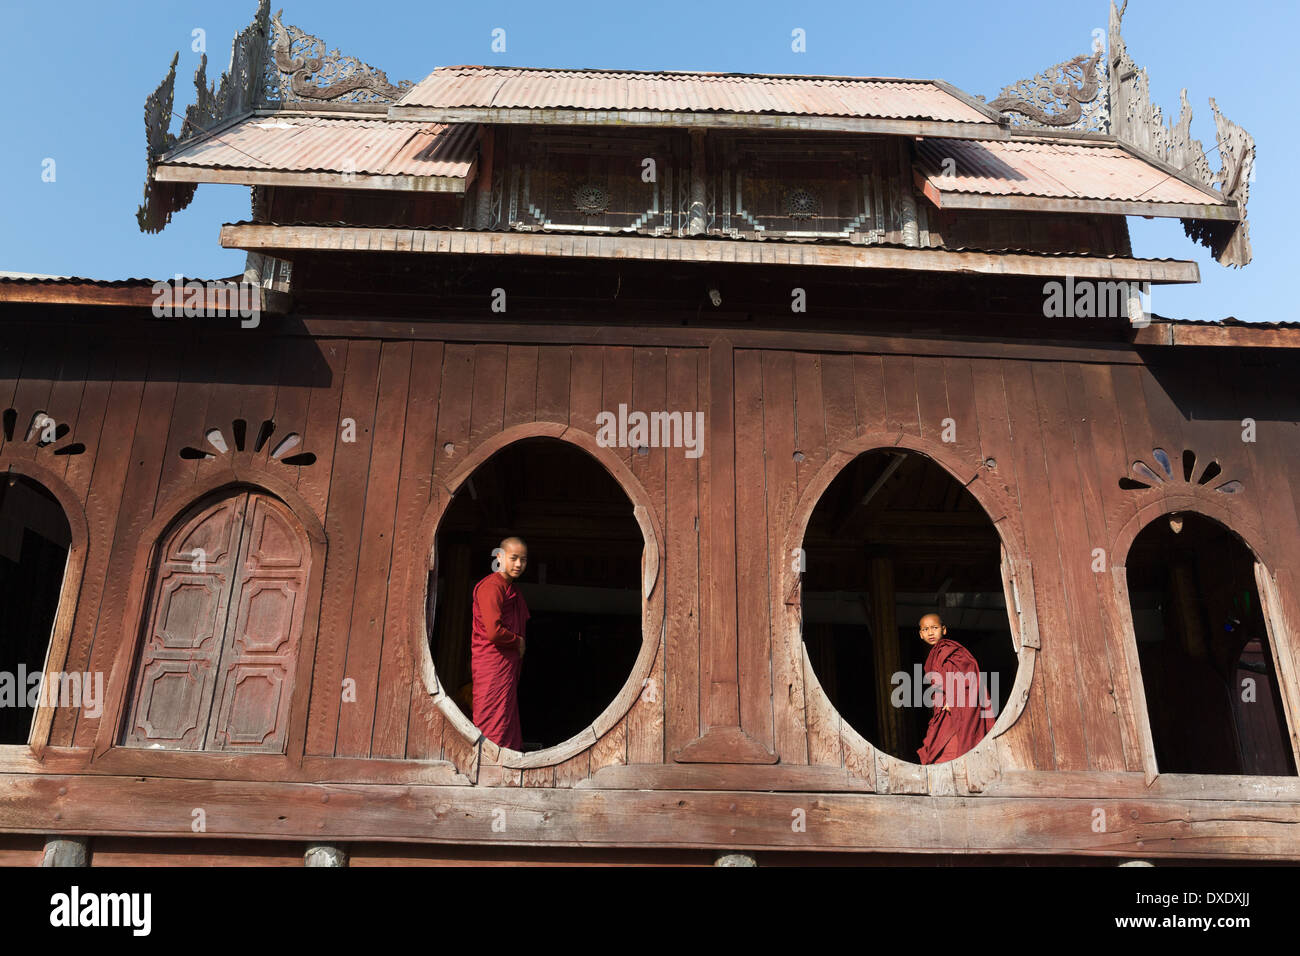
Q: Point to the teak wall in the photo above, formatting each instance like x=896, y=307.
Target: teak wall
x=1061, y=425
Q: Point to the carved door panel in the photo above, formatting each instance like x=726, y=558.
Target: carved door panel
x=172, y=700
x=217, y=668
x=264, y=628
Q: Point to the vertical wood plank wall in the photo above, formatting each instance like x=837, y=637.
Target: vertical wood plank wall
x=1062, y=434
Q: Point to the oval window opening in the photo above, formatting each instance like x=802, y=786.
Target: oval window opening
x=1207, y=664
x=581, y=584
x=893, y=539
x=34, y=541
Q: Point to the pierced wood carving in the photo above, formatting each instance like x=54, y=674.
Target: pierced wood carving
x=1136, y=121
x=215, y=439
x=234, y=93
x=1163, y=473
x=270, y=64
x=41, y=432
x=1070, y=95
x=300, y=69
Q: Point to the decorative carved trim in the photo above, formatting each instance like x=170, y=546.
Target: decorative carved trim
x=40, y=432
x=1164, y=473
x=285, y=450
x=1069, y=95
x=270, y=64
x=1111, y=94
x=1136, y=121
x=591, y=199
x=801, y=203
x=235, y=93
x=299, y=69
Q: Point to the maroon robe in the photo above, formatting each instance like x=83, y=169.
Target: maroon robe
x=957, y=724
x=500, y=615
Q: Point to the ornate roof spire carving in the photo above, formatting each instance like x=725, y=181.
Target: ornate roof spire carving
x=270, y=65
x=299, y=69
x=1110, y=94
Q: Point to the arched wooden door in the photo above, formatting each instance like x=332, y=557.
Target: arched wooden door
x=223, y=630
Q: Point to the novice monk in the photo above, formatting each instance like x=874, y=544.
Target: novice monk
x=497, y=647
x=960, y=720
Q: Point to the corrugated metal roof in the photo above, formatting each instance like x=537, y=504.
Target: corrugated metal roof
x=306, y=143
x=461, y=87
x=1051, y=170
x=36, y=278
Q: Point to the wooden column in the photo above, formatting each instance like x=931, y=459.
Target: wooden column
x=722, y=739
x=1182, y=578
x=885, y=652
x=66, y=851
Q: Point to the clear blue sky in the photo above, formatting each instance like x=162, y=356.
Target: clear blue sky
x=75, y=74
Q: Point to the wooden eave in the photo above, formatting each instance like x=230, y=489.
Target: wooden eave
x=287, y=239
x=133, y=296
x=1106, y=207
x=320, y=179
x=683, y=119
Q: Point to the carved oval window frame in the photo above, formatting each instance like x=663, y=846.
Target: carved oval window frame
x=1018, y=587
x=653, y=606
x=1282, y=629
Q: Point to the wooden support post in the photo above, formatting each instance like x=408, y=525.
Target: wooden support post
x=1182, y=577
x=325, y=854
x=66, y=851
x=885, y=652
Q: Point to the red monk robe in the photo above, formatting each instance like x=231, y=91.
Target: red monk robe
x=500, y=616
x=958, y=722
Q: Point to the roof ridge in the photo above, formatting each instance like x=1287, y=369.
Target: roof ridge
x=707, y=74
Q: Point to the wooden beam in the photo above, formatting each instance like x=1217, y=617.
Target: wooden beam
x=325, y=180
x=1136, y=824
x=1217, y=336
x=136, y=295
x=271, y=238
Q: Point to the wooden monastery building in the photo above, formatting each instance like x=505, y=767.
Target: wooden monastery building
x=762, y=369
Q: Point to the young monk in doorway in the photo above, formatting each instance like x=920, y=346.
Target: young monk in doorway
x=962, y=717
x=497, y=646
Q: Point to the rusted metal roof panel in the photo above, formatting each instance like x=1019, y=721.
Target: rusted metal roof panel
x=1051, y=170
x=474, y=87
x=298, y=143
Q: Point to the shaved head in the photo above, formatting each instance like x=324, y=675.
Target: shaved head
x=511, y=558
x=932, y=629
